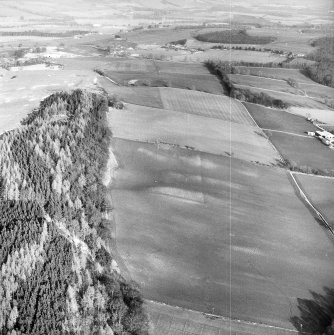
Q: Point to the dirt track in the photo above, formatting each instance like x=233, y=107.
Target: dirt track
x=169, y=320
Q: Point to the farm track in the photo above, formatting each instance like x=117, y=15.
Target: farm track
x=174, y=320
x=302, y=195
x=271, y=143
x=286, y=132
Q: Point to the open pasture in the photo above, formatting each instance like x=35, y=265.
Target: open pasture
x=321, y=115
x=209, y=105
x=303, y=152
x=200, y=133
x=21, y=91
x=144, y=96
x=320, y=192
x=265, y=83
x=275, y=119
x=179, y=240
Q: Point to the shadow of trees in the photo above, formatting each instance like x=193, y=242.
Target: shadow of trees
x=316, y=314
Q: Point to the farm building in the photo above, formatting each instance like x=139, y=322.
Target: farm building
x=325, y=136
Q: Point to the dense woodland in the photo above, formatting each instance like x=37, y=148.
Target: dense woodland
x=58, y=275
x=323, y=70
x=236, y=36
x=222, y=69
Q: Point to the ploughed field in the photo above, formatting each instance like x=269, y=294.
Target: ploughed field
x=197, y=132
x=191, y=237
x=203, y=213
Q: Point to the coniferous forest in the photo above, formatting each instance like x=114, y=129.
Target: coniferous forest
x=57, y=271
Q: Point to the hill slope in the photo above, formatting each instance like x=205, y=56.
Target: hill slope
x=58, y=275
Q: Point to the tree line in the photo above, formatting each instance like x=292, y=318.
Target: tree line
x=222, y=69
x=323, y=70
x=235, y=36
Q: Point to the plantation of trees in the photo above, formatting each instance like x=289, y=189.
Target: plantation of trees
x=222, y=69
x=323, y=70
x=236, y=36
x=56, y=267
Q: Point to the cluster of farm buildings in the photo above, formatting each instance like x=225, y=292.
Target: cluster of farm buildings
x=325, y=137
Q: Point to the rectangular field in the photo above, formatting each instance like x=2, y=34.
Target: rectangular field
x=209, y=105
x=181, y=243
x=319, y=190
x=303, y=152
x=200, y=133
x=269, y=118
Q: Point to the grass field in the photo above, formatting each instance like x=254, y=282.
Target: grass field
x=209, y=105
x=198, y=132
x=274, y=119
x=179, y=240
x=305, y=152
x=322, y=115
x=21, y=91
x=320, y=193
